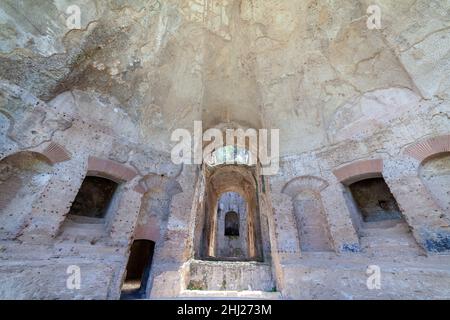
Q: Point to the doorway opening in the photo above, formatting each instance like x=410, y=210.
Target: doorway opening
x=138, y=269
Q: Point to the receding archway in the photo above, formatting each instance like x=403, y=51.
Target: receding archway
x=231, y=188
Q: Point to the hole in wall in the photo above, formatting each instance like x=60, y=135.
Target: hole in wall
x=381, y=226
x=375, y=201
x=232, y=224
x=93, y=198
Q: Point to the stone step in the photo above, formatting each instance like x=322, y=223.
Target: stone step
x=388, y=241
x=396, y=239
x=243, y=295
x=230, y=276
x=377, y=246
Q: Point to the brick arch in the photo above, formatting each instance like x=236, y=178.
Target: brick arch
x=427, y=148
x=299, y=184
x=53, y=153
x=110, y=169
x=56, y=153
x=359, y=170
x=36, y=152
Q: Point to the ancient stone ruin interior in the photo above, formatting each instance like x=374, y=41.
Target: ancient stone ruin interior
x=92, y=205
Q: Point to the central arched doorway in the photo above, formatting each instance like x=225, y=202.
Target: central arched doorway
x=231, y=224
x=231, y=249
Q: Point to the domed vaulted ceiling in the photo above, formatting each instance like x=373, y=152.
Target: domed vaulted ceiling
x=313, y=69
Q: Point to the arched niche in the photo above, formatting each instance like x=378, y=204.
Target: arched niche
x=374, y=210
x=232, y=224
x=308, y=209
x=435, y=174
x=23, y=177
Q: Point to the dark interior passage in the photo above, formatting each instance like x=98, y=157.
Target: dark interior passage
x=94, y=197
x=138, y=268
x=375, y=201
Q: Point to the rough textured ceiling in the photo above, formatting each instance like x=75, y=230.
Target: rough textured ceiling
x=311, y=68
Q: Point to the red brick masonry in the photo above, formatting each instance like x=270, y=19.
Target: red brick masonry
x=429, y=147
x=358, y=170
x=111, y=168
